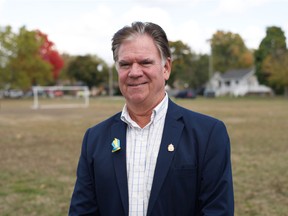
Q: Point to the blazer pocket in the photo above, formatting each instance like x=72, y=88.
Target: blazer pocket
x=186, y=170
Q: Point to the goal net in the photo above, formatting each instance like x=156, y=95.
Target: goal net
x=49, y=97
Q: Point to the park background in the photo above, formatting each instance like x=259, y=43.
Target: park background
x=68, y=43
x=40, y=150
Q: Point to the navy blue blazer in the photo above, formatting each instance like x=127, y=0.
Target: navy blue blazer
x=195, y=179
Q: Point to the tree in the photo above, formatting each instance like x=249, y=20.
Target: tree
x=67, y=59
x=201, y=70
x=182, y=70
x=229, y=52
x=50, y=54
x=274, y=44
x=25, y=66
x=277, y=67
x=188, y=69
x=27, y=58
x=7, y=50
x=89, y=69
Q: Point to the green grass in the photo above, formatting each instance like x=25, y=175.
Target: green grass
x=39, y=151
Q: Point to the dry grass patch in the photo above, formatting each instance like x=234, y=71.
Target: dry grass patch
x=40, y=150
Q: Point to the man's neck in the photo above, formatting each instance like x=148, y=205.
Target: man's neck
x=140, y=113
x=141, y=118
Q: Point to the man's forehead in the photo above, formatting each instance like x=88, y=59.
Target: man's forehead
x=138, y=49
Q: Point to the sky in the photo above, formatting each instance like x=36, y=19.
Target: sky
x=80, y=27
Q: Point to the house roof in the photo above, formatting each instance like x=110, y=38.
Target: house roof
x=236, y=74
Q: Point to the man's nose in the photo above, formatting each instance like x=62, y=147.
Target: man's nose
x=136, y=70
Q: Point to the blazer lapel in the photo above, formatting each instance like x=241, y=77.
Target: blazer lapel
x=118, y=130
x=171, y=135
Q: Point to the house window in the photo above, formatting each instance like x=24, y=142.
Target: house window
x=227, y=83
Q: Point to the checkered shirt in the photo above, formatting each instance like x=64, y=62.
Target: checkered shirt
x=142, y=151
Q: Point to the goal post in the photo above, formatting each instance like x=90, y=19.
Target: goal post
x=49, y=97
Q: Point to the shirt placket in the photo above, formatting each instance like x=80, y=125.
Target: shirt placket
x=138, y=172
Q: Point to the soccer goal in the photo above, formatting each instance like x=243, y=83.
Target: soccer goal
x=53, y=97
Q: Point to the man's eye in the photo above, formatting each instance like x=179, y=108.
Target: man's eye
x=146, y=63
x=124, y=65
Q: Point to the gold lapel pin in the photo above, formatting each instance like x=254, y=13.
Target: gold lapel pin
x=171, y=147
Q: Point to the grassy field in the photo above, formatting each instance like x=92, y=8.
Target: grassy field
x=39, y=151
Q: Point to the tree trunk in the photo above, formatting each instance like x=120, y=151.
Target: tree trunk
x=286, y=91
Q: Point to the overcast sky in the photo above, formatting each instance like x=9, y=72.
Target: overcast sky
x=81, y=27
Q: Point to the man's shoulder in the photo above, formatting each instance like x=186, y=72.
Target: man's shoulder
x=191, y=117
x=107, y=122
x=185, y=112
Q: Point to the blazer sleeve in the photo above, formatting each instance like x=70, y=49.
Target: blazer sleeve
x=83, y=201
x=216, y=187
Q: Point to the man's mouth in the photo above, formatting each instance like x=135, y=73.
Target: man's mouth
x=136, y=84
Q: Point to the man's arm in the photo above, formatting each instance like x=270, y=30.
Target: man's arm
x=83, y=201
x=216, y=192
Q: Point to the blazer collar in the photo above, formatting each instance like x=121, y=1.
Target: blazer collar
x=171, y=135
x=118, y=130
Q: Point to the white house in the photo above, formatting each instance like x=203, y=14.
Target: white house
x=236, y=83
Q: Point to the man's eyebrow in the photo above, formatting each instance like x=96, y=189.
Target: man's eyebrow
x=123, y=62
x=141, y=61
x=147, y=60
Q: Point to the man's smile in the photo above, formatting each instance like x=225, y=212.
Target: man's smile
x=136, y=84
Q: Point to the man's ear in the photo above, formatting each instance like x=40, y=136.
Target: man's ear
x=167, y=68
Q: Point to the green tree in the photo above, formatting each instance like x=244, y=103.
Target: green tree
x=67, y=59
x=7, y=49
x=89, y=69
x=188, y=69
x=274, y=44
x=27, y=67
x=229, y=52
x=182, y=70
x=201, y=70
x=277, y=67
x=21, y=63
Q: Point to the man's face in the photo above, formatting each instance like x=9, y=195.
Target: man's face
x=142, y=73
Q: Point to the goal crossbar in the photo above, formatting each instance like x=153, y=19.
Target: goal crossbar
x=82, y=91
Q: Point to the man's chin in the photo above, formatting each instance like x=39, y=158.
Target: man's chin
x=136, y=98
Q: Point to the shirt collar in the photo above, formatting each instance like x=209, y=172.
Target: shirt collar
x=158, y=112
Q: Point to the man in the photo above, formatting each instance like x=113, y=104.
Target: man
x=154, y=158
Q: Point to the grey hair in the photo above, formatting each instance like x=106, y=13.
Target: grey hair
x=142, y=28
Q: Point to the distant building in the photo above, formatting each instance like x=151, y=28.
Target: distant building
x=238, y=82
